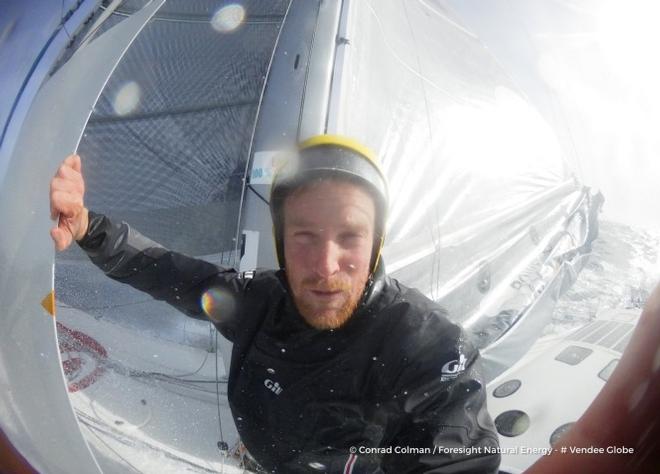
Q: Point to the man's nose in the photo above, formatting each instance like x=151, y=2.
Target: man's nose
x=327, y=262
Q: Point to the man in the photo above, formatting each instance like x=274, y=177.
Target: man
x=335, y=366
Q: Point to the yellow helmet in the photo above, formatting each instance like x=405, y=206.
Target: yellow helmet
x=330, y=156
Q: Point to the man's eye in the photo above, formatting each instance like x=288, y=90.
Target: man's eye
x=351, y=238
x=303, y=236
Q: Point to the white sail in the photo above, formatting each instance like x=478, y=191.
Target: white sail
x=177, y=111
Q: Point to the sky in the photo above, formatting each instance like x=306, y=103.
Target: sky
x=590, y=68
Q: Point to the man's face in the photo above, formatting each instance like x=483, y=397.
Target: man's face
x=328, y=240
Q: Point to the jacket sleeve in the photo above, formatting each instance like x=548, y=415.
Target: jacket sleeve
x=446, y=425
x=129, y=257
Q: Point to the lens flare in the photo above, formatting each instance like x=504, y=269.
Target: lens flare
x=127, y=99
x=228, y=18
x=218, y=304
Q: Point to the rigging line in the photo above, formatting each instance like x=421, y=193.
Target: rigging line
x=222, y=445
x=136, y=373
x=178, y=376
x=168, y=377
x=419, y=66
x=162, y=376
x=181, y=383
x=412, y=70
x=126, y=439
x=92, y=431
x=431, y=224
x=251, y=188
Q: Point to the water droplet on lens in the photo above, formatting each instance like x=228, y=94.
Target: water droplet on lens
x=228, y=18
x=127, y=98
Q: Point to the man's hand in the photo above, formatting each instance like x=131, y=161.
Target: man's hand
x=67, y=189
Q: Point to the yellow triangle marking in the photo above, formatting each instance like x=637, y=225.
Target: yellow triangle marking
x=49, y=303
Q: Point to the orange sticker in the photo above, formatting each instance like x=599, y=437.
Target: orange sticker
x=49, y=303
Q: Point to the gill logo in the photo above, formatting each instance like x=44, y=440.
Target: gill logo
x=453, y=368
x=273, y=386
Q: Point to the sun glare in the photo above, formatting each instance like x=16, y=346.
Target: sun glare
x=628, y=36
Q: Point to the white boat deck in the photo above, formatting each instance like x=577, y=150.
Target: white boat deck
x=145, y=410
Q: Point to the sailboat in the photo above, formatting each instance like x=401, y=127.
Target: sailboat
x=178, y=110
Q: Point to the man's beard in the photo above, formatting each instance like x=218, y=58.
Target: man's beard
x=327, y=318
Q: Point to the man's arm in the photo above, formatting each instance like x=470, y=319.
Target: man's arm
x=436, y=413
x=444, y=399
x=126, y=256
x=129, y=257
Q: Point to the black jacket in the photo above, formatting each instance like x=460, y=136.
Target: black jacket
x=398, y=382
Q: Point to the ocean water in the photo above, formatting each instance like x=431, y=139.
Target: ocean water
x=621, y=273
